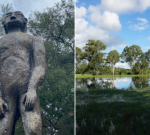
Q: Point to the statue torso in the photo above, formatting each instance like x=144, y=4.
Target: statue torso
x=16, y=57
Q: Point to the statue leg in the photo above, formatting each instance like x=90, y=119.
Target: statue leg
x=7, y=123
x=31, y=119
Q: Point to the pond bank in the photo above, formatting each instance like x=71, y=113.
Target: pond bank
x=88, y=75
x=102, y=112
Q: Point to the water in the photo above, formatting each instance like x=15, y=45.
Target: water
x=124, y=83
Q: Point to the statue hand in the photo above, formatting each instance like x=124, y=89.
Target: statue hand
x=29, y=100
x=3, y=107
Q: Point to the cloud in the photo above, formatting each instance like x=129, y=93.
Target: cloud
x=147, y=47
x=96, y=33
x=122, y=46
x=124, y=6
x=142, y=25
x=80, y=25
x=108, y=21
x=123, y=65
x=148, y=38
x=26, y=6
x=98, y=27
x=80, y=12
x=142, y=19
x=76, y=1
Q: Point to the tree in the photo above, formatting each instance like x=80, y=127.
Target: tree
x=113, y=58
x=56, y=26
x=137, y=68
x=148, y=55
x=93, y=55
x=56, y=23
x=78, y=56
x=3, y=10
x=131, y=55
x=81, y=68
x=143, y=61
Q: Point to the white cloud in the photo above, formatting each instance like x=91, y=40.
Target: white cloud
x=142, y=25
x=97, y=34
x=123, y=65
x=124, y=6
x=122, y=46
x=108, y=21
x=27, y=5
x=147, y=47
x=148, y=38
x=80, y=12
x=142, y=19
x=76, y=1
x=80, y=25
x=101, y=26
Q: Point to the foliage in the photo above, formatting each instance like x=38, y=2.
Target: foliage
x=148, y=55
x=78, y=57
x=131, y=55
x=81, y=68
x=137, y=68
x=93, y=55
x=113, y=58
x=55, y=26
x=143, y=61
x=107, y=70
x=56, y=23
x=3, y=10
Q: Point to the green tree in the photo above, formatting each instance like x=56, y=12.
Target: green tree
x=93, y=54
x=81, y=68
x=3, y=10
x=78, y=57
x=131, y=55
x=143, y=61
x=56, y=26
x=113, y=58
x=56, y=23
x=137, y=68
x=148, y=55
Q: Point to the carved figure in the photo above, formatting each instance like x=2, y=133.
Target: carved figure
x=22, y=67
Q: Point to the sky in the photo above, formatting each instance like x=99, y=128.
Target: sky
x=26, y=6
x=117, y=23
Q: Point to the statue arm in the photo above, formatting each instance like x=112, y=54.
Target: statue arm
x=38, y=72
x=39, y=68
x=3, y=105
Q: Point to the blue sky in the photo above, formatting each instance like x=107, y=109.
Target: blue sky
x=117, y=23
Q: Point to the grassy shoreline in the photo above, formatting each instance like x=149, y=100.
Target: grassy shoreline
x=128, y=116
x=89, y=75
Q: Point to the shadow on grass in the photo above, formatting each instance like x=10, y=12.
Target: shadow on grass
x=114, y=118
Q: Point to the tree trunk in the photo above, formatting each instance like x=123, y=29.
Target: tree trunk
x=132, y=71
x=142, y=71
x=113, y=69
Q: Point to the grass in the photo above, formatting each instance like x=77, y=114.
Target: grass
x=89, y=75
x=102, y=112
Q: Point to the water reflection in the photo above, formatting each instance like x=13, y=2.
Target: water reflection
x=86, y=84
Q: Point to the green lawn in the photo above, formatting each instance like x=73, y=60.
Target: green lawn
x=88, y=75
x=113, y=112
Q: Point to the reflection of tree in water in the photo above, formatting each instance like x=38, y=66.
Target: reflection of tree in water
x=108, y=84
x=140, y=82
x=104, y=83
x=93, y=83
x=81, y=84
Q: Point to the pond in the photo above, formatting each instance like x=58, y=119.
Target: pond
x=124, y=83
x=113, y=106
